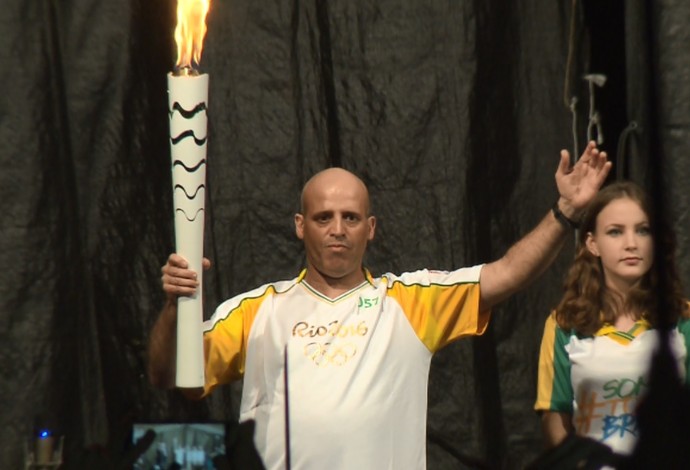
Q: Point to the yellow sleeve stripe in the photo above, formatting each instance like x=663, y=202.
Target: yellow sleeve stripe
x=546, y=365
x=225, y=344
x=440, y=314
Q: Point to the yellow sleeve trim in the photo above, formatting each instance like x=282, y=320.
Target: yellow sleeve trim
x=225, y=345
x=545, y=377
x=440, y=314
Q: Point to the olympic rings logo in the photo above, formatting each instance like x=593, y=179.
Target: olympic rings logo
x=327, y=354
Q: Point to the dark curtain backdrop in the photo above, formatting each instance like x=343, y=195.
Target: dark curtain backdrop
x=453, y=112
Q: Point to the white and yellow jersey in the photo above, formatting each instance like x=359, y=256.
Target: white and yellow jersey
x=600, y=379
x=357, y=365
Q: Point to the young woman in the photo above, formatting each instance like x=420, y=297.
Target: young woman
x=597, y=344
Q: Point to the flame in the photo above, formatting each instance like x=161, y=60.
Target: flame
x=190, y=31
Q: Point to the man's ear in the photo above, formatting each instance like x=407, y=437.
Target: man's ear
x=591, y=244
x=299, y=226
x=372, y=227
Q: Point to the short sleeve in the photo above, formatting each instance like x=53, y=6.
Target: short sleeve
x=684, y=330
x=554, y=388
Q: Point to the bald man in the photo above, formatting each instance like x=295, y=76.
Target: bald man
x=357, y=347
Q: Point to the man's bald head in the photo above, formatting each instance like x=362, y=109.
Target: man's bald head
x=333, y=179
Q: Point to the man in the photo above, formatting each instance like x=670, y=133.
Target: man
x=357, y=349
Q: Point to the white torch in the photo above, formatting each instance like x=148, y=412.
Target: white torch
x=187, y=106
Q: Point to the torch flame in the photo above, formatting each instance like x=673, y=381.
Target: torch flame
x=190, y=31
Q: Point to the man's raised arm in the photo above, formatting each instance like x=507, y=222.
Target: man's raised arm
x=530, y=256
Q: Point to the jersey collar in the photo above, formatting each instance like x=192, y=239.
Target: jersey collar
x=624, y=337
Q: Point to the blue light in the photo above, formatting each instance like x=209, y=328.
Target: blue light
x=43, y=434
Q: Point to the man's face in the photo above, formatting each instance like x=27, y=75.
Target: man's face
x=335, y=226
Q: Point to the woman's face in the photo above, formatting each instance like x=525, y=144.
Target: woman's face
x=622, y=239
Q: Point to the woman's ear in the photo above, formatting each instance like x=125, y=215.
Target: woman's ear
x=591, y=244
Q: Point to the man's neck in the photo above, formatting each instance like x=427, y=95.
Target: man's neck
x=333, y=287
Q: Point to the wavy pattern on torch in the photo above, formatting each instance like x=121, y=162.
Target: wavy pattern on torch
x=187, y=114
x=190, y=169
x=184, y=190
x=187, y=217
x=188, y=133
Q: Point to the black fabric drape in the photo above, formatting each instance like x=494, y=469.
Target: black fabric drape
x=452, y=112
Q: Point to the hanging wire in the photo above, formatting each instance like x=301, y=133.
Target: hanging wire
x=573, y=113
x=622, y=160
x=570, y=100
x=594, y=79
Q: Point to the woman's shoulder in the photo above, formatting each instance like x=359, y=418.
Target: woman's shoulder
x=684, y=319
x=683, y=324
x=553, y=324
x=685, y=314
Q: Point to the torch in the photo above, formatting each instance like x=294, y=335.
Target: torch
x=187, y=105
